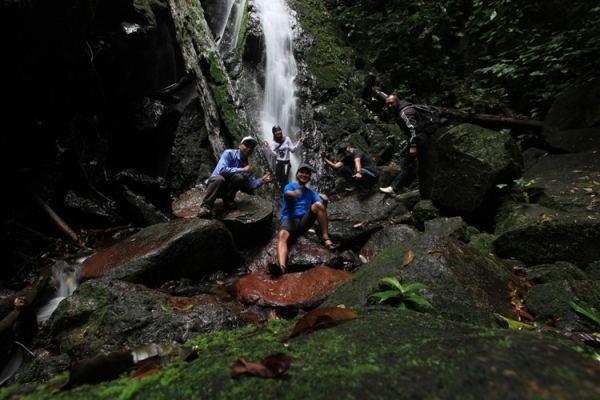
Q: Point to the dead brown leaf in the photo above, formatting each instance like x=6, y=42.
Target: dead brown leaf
x=434, y=251
x=272, y=366
x=410, y=255
x=321, y=316
x=358, y=224
x=146, y=369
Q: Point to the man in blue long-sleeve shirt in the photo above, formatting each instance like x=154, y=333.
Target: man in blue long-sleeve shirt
x=232, y=173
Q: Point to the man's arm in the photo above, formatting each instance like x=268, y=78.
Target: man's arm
x=333, y=165
x=409, y=117
x=357, y=167
x=228, y=164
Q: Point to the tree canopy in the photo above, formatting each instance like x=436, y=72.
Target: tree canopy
x=475, y=54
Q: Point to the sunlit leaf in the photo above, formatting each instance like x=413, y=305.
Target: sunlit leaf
x=320, y=316
x=392, y=281
x=166, y=308
x=411, y=287
x=585, y=309
x=512, y=324
x=410, y=255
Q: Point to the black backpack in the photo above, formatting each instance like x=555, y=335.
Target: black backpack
x=431, y=117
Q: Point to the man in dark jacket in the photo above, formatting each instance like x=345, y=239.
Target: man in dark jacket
x=413, y=126
x=356, y=167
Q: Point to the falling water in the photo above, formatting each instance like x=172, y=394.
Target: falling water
x=66, y=279
x=279, y=107
x=230, y=31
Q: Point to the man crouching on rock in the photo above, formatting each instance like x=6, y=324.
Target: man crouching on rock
x=232, y=173
x=301, y=207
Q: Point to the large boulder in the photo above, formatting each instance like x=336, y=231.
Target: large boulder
x=562, y=220
x=573, y=122
x=249, y=223
x=462, y=166
x=191, y=248
x=104, y=316
x=463, y=284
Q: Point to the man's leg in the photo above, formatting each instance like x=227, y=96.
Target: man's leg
x=234, y=184
x=320, y=211
x=346, y=173
x=368, y=178
x=407, y=166
x=282, y=248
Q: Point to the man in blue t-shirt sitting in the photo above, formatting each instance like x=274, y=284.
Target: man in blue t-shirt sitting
x=301, y=207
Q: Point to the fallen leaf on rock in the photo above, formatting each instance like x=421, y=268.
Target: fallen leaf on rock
x=358, y=224
x=147, y=369
x=272, y=366
x=410, y=255
x=322, y=316
x=434, y=251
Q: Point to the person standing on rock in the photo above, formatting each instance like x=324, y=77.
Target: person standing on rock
x=300, y=209
x=356, y=167
x=410, y=122
x=232, y=173
x=280, y=148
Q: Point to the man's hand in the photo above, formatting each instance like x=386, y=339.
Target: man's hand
x=302, y=139
x=267, y=178
x=412, y=151
x=247, y=168
x=357, y=175
x=322, y=153
x=266, y=143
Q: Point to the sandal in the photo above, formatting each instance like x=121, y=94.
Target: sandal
x=276, y=269
x=331, y=246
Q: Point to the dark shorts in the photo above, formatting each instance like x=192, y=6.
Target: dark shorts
x=299, y=225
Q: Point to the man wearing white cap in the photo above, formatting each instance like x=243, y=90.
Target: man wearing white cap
x=232, y=173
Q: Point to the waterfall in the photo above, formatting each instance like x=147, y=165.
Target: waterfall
x=230, y=31
x=66, y=278
x=279, y=105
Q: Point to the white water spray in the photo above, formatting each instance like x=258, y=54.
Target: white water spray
x=230, y=31
x=279, y=107
x=66, y=277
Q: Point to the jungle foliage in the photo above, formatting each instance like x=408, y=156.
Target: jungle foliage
x=473, y=54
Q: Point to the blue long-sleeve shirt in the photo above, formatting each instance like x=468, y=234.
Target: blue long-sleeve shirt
x=230, y=163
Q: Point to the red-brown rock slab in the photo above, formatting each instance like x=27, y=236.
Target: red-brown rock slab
x=299, y=289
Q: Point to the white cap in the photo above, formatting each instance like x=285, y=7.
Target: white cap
x=249, y=139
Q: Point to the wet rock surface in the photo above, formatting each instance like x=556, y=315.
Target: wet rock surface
x=295, y=290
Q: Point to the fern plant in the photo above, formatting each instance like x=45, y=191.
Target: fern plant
x=401, y=293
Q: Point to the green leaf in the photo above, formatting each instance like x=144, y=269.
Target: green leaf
x=411, y=287
x=385, y=295
x=415, y=298
x=512, y=324
x=585, y=309
x=392, y=281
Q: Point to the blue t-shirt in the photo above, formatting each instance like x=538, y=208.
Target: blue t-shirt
x=298, y=206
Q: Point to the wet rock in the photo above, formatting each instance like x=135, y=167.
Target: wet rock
x=304, y=253
x=559, y=271
x=190, y=248
x=463, y=284
x=593, y=270
x=562, y=220
x=140, y=210
x=249, y=223
x=386, y=237
x=354, y=217
x=423, y=211
x=295, y=290
x=463, y=165
x=549, y=303
x=103, y=316
x=448, y=226
x=572, y=123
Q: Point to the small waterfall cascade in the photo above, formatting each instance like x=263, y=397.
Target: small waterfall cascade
x=66, y=278
x=229, y=32
x=279, y=105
